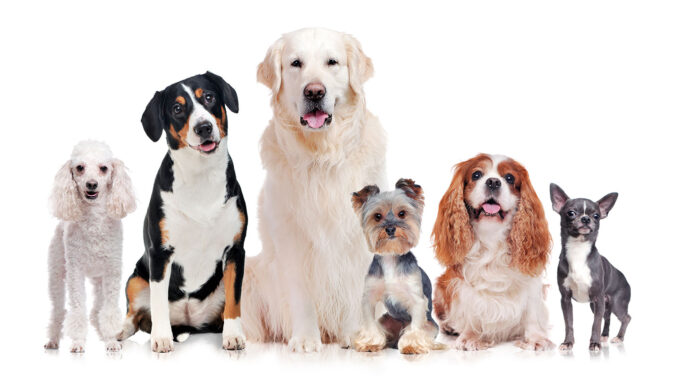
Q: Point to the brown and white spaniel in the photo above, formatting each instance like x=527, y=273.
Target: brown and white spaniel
x=492, y=236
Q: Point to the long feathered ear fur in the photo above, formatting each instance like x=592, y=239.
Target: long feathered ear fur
x=529, y=237
x=452, y=234
x=65, y=202
x=269, y=70
x=122, y=198
x=359, y=65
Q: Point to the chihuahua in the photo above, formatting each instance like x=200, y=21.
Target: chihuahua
x=391, y=224
x=585, y=275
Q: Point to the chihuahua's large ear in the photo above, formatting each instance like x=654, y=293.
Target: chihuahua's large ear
x=226, y=91
x=359, y=65
x=359, y=198
x=269, y=70
x=65, y=202
x=607, y=203
x=152, y=119
x=122, y=199
x=558, y=197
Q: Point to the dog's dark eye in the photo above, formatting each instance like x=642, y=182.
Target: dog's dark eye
x=476, y=175
x=103, y=169
x=177, y=108
x=571, y=213
x=296, y=63
x=80, y=168
x=209, y=98
x=332, y=62
x=377, y=216
x=402, y=214
x=510, y=178
x=596, y=216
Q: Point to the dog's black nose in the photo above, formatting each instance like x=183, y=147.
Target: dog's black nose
x=204, y=129
x=91, y=185
x=585, y=219
x=314, y=91
x=390, y=230
x=493, y=183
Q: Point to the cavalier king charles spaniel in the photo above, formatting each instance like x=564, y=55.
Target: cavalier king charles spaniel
x=492, y=236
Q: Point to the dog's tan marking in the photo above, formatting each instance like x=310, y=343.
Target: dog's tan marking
x=232, y=309
x=198, y=92
x=180, y=136
x=134, y=286
x=181, y=100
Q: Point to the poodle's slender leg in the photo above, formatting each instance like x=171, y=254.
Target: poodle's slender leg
x=96, y=304
x=57, y=291
x=76, y=318
x=109, y=315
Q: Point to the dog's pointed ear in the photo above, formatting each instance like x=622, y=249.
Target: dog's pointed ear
x=412, y=190
x=558, y=197
x=152, y=119
x=606, y=204
x=226, y=91
x=359, y=65
x=269, y=70
x=359, y=198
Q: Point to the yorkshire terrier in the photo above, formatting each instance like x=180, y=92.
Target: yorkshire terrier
x=391, y=224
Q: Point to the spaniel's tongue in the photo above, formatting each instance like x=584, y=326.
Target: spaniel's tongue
x=207, y=146
x=315, y=119
x=491, y=208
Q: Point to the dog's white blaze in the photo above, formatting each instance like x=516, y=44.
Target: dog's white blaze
x=199, y=114
x=579, y=279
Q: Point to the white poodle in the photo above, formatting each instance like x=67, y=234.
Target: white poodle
x=92, y=192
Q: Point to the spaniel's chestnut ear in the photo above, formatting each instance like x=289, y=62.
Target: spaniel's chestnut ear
x=359, y=198
x=558, y=197
x=152, y=119
x=412, y=190
x=607, y=203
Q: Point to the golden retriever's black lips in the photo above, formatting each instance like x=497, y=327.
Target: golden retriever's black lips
x=316, y=119
x=91, y=195
x=490, y=208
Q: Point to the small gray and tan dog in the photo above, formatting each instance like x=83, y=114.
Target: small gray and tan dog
x=585, y=275
x=391, y=223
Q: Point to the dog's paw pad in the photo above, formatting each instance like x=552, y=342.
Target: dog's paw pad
x=77, y=348
x=566, y=346
x=595, y=347
x=233, y=342
x=51, y=345
x=162, y=345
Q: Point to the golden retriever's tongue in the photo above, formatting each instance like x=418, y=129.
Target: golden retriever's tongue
x=491, y=208
x=208, y=146
x=315, y=119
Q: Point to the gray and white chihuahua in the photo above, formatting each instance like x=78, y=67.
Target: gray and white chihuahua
x=585, y=275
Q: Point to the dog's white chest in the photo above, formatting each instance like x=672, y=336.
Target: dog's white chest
x=199, y=224
x=579, y=278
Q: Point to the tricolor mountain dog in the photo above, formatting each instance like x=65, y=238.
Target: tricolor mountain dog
x=189, y=278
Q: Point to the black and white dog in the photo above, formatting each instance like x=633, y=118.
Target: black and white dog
x=189, y=278
x=585, y=275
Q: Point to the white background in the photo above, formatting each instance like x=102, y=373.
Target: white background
x=583, y=93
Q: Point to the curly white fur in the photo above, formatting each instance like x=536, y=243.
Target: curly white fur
x=88, y=243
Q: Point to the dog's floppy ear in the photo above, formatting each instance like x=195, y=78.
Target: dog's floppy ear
x=269, y=70
x=359, y=65
x=65, y=202
x=152, y=119
x=122, y=199
x=606, y=204
x=359, y=198
x=558, y=197
x=226, y=91
x=529, y=237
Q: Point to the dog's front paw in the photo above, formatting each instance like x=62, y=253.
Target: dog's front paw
x=370, y=341
x=540, y=344
x=113, y=346
x=415, y=342
x=304, y=344
x=52, y=345
x=162, y=344
x=77, y=347
x=566, y=346
x=471, y=343
x=595, y=347
x=617, y=340
x=233, y=337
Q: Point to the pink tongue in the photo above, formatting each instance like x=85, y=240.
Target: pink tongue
x=207, y=147
x=316, y=119
x=491, y=208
